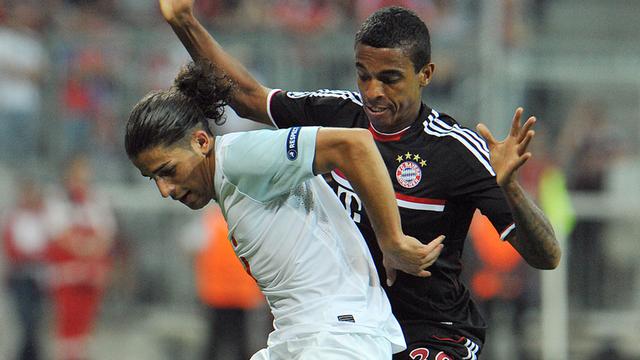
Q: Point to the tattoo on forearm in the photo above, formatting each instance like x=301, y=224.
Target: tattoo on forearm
x=535, y=239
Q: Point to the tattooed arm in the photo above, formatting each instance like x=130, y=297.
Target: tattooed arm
x=534, y=239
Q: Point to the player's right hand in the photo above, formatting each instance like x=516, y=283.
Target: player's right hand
x=412, y=257
x=174, y=10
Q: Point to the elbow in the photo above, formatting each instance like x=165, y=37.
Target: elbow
x=554, y=261
x=363, y=139
x=555, y=255
x=242, y=111
x=343, y=149
x=358, y=144
x=251, y=104
x=549, y=262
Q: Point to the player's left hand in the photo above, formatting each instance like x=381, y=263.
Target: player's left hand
x=508, y=155
x=412, y=257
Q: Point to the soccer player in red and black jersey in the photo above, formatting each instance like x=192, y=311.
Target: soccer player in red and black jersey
x=441, y=171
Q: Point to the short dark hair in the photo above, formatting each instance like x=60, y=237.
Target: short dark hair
x=199, y=92
x=397, y=27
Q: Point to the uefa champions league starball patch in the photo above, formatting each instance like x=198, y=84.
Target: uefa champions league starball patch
x=408, y=174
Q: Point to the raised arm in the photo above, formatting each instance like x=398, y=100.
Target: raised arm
x=534, y=239
x=354, y=152
x=250, y=98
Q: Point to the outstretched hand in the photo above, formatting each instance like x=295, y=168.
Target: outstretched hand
x=508, y=155
x=413, y=257
x=173, y=10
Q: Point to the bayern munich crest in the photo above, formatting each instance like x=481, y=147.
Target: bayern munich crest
x=409, y=172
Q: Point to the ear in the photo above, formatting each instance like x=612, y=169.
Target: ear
x=201, y=142
x=426, y=73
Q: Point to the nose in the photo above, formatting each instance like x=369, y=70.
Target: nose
x=373, y=89
x=166, y=188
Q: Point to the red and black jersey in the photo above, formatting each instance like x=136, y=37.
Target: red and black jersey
x=441, y=174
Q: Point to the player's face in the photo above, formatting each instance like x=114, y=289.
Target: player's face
x=390, y=87
x=180, y=172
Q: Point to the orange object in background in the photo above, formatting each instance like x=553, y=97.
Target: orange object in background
x=221, y=280
x=228, y=292
x=494, y=252
x=497, y=276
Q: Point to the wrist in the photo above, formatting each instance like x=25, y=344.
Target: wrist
x=511, y=187
x=391, y=243
x=182, y=19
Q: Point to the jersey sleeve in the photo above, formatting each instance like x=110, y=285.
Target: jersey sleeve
x=265, y=164
x=473, y=180
x=330, y=108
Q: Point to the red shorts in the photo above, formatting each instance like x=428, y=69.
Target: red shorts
x=76, y=307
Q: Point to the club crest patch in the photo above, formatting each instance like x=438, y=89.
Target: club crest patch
x=409, y=172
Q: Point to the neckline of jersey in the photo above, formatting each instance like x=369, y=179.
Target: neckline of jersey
x=386, y=137
x=380, y=136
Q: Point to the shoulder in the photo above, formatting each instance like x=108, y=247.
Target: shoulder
x=224, y=141
x=460, y=144
x=261, y=149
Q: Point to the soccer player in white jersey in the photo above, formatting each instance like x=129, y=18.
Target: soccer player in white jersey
x=286, y=226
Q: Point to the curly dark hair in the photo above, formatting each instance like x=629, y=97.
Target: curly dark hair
x=397, y=27
x=199, y=93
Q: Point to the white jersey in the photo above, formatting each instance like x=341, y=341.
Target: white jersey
x=296, y=240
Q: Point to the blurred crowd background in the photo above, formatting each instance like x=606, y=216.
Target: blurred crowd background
x=95, y=264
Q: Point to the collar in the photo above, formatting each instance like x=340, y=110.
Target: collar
x=395, y=136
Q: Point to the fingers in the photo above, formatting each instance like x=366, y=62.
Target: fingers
x=486, y=134
x=521, y=160
x=526, y=128
x=432, y=257
x=524, y=143
x=515, y=123
x=435, y=242
x=414, y=259
x=391, y=276
x=434, y=249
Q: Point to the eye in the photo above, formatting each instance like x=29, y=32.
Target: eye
x=168, y=172
x=390, y=80
x=363, y=77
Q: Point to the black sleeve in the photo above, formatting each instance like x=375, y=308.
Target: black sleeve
x=331, y=108
x=473, y=181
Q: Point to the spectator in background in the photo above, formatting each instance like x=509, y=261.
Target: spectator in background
x=305, y=16
x=588, y=146
x=88, y=101
x=225, y=289
x=500, y=279
x=218, y=8
x=499, y=282
x=83, y=234
x=22, y=68
x=25, y=236
x=426, y=9
x=514, y=31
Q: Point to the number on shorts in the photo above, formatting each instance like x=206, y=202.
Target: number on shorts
x=442, y=356
x=419, y=354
